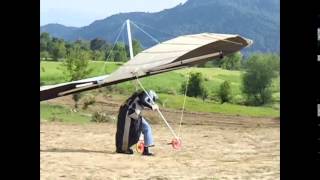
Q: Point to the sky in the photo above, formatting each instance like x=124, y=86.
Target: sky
x=80, y=13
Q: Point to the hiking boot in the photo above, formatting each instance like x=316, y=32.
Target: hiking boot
x=129, y=151
x=146, y=152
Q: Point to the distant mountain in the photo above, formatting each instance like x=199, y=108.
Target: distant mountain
x=58, y=30
x=258, y=20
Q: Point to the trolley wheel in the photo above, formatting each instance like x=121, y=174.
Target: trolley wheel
x=140, y=147
x=176, y=143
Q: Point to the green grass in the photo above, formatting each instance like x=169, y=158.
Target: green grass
x=59, y=113
x=169, y=84
x=51, y=72
x=163, y=83
x=197, y=105
x=215, y=76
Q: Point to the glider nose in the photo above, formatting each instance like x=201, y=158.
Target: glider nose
x=249, y=42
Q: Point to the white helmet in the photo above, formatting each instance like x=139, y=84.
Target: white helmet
x=153, y=95
x=145, y=98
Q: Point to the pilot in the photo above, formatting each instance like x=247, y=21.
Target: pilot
x=131, y=123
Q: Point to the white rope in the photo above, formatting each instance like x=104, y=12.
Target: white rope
x=149, y=35
x=184, y=102
x=114, y=44
x=163, y=118
x=189, y=36
x=156, y=29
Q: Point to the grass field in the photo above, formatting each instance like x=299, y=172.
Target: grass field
x=60, y=113
x=52, y=112
x=170, y=82
x=168, y=86
x=51, y=72
x=197, y=105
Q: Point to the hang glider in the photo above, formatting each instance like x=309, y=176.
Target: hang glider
x=180, y=52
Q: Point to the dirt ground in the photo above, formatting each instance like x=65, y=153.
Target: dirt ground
x=214, y=147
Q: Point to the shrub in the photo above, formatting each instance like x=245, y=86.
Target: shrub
x=54, y=118
x=256, y=81
x=99, y=117
x=75, y=67
x=232, y=62
x=224, y=92
x=195, y=87
x=76, y=97
x=89, y=100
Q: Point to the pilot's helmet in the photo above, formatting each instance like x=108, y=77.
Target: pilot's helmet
x=153, y=95
x=146, y=101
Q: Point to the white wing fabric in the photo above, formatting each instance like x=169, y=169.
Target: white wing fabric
x=179, y=52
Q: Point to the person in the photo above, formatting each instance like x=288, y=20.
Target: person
x=131, y=123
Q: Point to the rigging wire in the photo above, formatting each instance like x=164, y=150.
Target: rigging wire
x=154, y=39
x=184, y=102
x=149, y=35
x=156, y=29
x=188, y=76
x=189, y=36
x=122, y=36
x=163, y=118
x=110, y=52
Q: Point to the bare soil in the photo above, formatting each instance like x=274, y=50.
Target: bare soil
x=213, y=147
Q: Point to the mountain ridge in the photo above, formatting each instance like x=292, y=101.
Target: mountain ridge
x=254, y=19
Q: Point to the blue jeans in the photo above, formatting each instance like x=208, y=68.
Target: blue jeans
x=147, y=133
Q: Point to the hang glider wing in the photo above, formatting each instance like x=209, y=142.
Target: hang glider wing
x=179, y=52
x=52, y=91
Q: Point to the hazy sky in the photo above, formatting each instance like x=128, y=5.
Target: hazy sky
x=83, y=12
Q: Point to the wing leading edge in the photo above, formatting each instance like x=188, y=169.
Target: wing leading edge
x=177, y=53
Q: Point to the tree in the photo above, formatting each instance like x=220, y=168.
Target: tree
x=107, y=51
x=195, y=87
x=44, y=55
x=97, y=55
x=211, y=63
x=84, y=45
x=224, y=92
x=76, y=64
x=75, y=67
x=44, y=40
x=69, y=46
x=50, y=47
x=136, y=46
x=58, y=50
x=97, y=44
x=119, y=52
x=232, y=62
x=256, y=81
x=120, y=56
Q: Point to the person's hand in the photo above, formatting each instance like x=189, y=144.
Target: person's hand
x=155, y=107
x=137, y=111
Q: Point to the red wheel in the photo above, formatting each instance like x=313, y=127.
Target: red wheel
x=140, y=146
x=176, y=143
